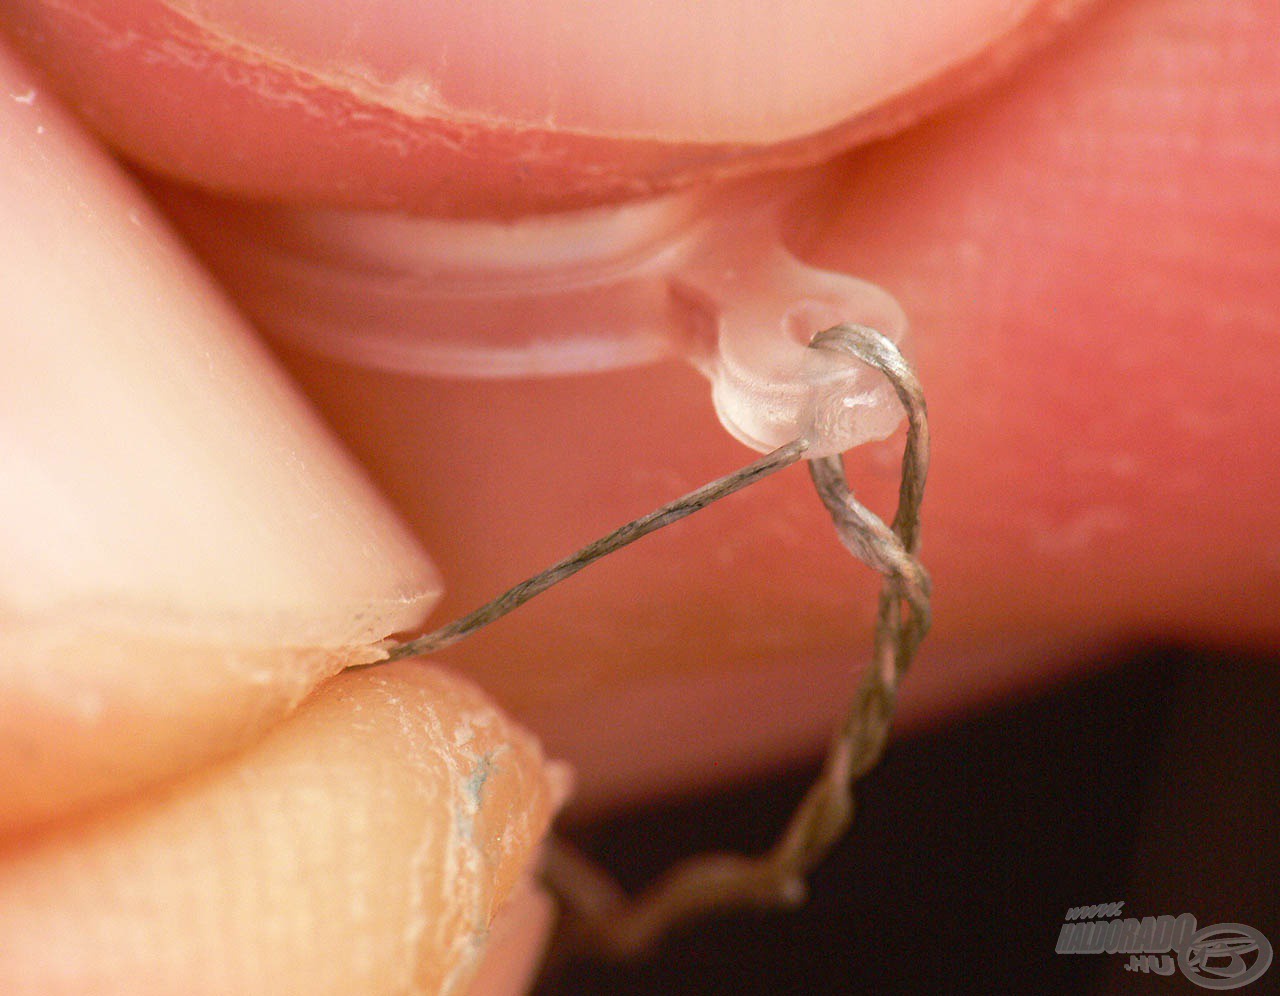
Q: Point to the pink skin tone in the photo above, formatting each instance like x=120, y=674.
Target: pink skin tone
x=1085, y=251
x=187, y=554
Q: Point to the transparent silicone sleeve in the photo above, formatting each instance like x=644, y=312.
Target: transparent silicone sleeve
x=703, y=276
x=765, y=305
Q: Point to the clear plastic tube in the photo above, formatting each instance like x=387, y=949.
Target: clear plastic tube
x=703, y=276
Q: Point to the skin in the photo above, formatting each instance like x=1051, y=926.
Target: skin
x=1086, y=254
x=188, y=555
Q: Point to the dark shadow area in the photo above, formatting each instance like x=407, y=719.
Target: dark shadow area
x=971, y=843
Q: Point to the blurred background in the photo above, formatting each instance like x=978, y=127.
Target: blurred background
x=1155, y=781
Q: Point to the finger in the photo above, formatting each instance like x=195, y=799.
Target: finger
x=669, y=632
x=1085, y=257
x=503, y=106
x=363, y=846
x=184, y=551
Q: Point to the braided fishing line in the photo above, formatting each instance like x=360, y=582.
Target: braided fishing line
x=597, y=914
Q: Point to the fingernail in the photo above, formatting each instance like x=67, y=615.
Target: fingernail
x=185, y=549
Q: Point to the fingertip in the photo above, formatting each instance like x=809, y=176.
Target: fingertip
x=499, y=107
x=364, y=845
x=184, y=549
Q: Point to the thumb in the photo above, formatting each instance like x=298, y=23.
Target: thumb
x=497, y=106
x=365, y=845
x=184, y=552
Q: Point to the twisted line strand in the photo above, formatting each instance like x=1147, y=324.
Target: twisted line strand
x=597, y=913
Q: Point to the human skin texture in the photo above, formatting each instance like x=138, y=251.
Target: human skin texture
x=507, y=107
x=1085, y=250
x=1081, y=253
x=186, y=555
x=320, y=857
